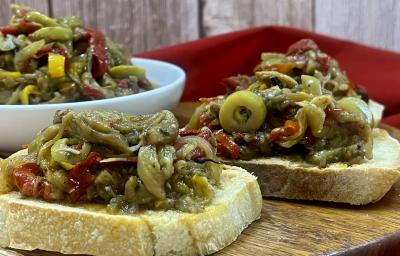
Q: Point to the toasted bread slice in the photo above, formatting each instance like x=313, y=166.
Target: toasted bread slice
x=33, y=224
x=357, y=184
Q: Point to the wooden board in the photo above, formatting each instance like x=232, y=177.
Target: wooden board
x=289, y=227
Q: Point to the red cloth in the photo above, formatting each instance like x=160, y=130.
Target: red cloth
x=207, y=61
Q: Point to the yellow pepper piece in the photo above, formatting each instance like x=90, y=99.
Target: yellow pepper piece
x=56, y=64
x=66, y=166
x=11, y=74
x=26, y=92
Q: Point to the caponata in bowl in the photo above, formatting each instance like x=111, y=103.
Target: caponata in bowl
x=56, y=60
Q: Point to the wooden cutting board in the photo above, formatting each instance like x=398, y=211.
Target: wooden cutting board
x=289, y=227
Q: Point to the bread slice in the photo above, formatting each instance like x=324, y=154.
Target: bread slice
x=33, y=224
x=356, y=184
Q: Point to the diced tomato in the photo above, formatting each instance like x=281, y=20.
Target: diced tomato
x=302, y=45
x=290, y=128
x=276, y=135
x=226, y=146
x=80, y=178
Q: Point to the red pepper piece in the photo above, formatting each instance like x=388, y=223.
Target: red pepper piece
x=60, y=51
x=178, y=145
x=290, y=128
x=9, y=30
x=332, y=112
x=198, y=133
x=97, y=42
x=24, y=177
x=231, y=84
x=91, y=92
x=323, y=64
x=309, y=137
x=226, y=146
x=80, y=178
x=26, y=27
x=302, y=45
x=198, y=152
x=29, y=182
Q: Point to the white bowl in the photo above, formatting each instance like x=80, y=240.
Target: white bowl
x=20, y=123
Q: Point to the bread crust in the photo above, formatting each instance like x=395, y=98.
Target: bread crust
x=357, y=184
x=33, y=224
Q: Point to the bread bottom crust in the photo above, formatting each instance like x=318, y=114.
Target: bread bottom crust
x=357, y=184
x=30, y=224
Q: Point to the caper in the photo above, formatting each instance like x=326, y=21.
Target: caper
x=358, y=107
x=242, y=111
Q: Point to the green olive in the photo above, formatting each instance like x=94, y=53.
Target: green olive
x=242, y=111
x=311, y=84
x=50, y=34
x=123, y=71
x=41, y=19
x=358, y=107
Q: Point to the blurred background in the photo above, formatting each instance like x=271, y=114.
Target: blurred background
x=147, y=24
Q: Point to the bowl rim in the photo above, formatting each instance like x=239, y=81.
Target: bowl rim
x=93, y=103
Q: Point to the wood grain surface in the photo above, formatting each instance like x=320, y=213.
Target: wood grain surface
x=5, y=11
x=290, y=227
x=228, y=15
x=140, y=24
x=147, y=24
x=367, y=21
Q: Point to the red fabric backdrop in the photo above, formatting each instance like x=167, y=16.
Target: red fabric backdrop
x=207, y=61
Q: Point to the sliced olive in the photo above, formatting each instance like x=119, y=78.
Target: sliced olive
x=287, y=80
x=358, y=107
x=311, y=84
x=61, y=151
x=242, y=111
